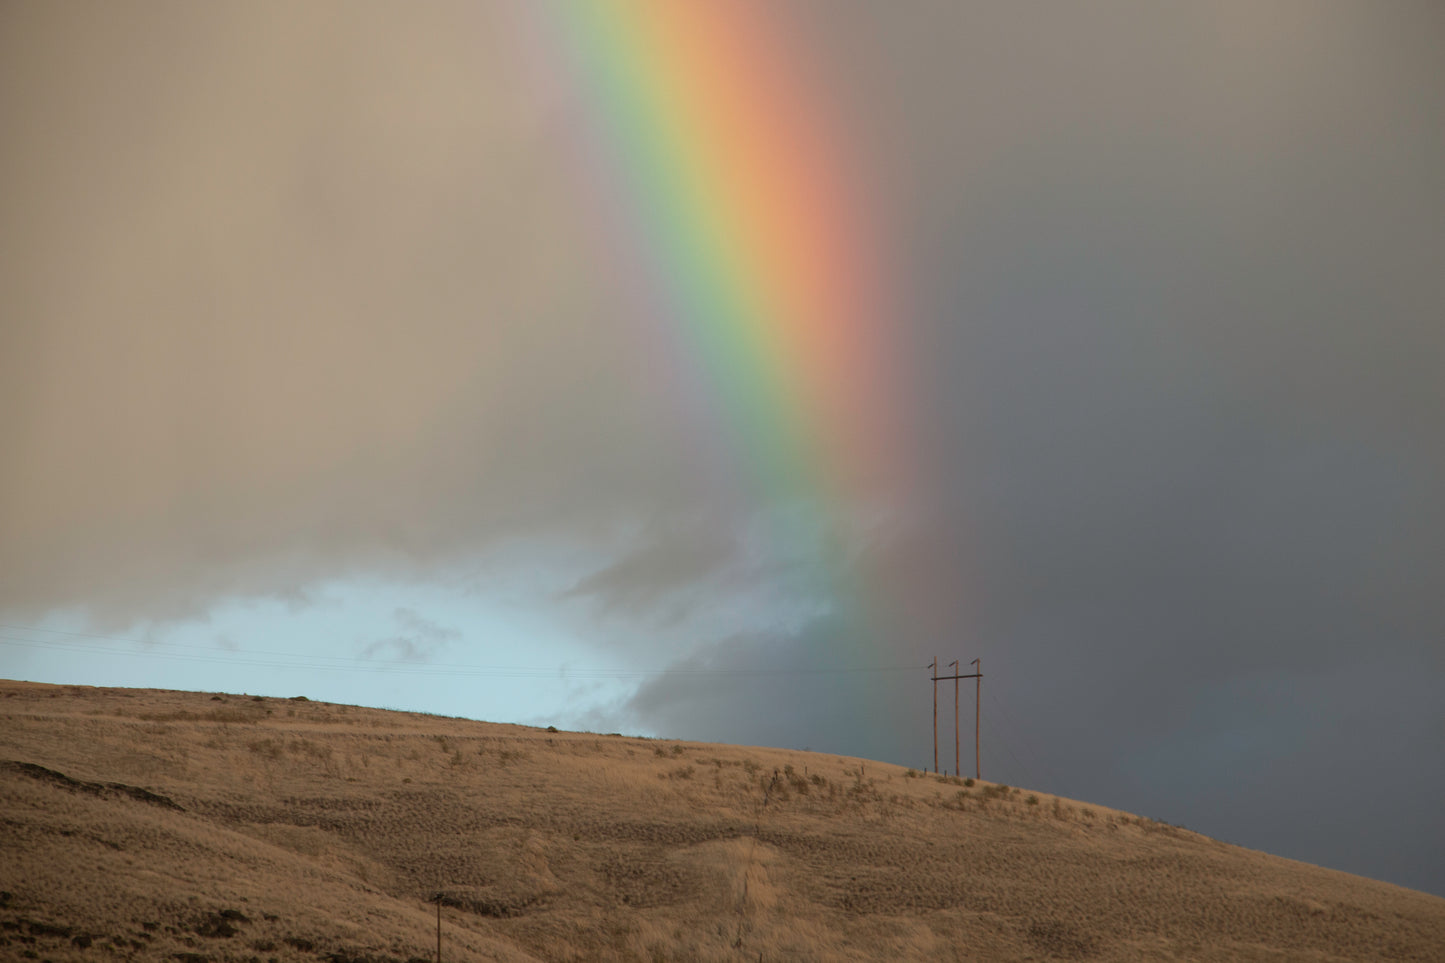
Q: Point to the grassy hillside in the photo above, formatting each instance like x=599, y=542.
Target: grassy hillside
x=152, y=825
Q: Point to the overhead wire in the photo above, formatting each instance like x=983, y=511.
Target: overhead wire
x=316, y=661
x=88, y=643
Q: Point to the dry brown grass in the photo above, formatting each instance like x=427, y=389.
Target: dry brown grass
x=150, y=825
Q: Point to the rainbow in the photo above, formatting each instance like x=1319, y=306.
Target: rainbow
x=748, y=230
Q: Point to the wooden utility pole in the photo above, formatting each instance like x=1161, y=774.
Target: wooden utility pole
x=934, y=666
x=954, y=666
x=977, y=715
x=439, y=928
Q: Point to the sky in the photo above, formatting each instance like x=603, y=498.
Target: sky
x=707, y=374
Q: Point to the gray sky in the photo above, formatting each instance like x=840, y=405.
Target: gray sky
x=315, y=372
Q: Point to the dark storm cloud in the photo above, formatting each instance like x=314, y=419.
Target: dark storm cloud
x=1182, y=347
x=799, y=688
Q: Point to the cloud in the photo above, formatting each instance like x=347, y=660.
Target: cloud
x=820, y=686
x=280, y=323
x=419, y=639
x=642, y=580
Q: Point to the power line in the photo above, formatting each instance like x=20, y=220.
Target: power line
x=314, y=661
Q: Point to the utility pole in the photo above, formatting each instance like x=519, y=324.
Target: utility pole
x=977, y=715
x=954, y=666
x=934, y=667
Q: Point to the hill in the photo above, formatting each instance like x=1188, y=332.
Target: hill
x=154, y=825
